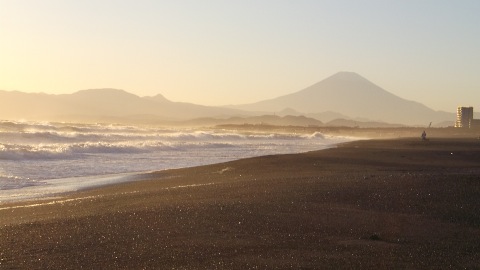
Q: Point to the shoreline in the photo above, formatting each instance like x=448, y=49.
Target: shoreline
x=55, y=189
x=50, y=189
x=402, y=203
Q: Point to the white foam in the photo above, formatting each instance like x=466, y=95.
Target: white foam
x=56, y=187
x=62, y=201
x=73, y=154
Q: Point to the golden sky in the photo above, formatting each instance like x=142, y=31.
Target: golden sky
x=230, y=52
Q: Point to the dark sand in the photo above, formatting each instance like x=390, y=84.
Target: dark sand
x=392, y=204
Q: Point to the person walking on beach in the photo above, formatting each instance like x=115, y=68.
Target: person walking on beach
x=424, y=135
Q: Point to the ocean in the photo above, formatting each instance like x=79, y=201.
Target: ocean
x=42, y=159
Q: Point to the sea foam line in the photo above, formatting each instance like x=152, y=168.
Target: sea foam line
x=95, y=197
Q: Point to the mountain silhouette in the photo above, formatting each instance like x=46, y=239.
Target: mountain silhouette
x=352, y=95
x=345, y=95
x=102, y=105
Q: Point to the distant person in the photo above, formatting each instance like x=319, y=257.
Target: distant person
x=424, y=135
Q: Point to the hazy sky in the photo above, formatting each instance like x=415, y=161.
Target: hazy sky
x=218, y=52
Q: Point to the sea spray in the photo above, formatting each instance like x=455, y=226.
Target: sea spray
x=32, y=153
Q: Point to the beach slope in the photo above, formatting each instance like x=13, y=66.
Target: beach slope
x=399, y=204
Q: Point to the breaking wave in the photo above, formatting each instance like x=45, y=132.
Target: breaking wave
x=23, y=140
x=34, y=151
x=77, y=150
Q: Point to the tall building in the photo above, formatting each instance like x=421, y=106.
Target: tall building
x=464, y=117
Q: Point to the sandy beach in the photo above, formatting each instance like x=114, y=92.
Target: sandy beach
x=374, y=204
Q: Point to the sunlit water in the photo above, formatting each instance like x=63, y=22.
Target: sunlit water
x=41, y=159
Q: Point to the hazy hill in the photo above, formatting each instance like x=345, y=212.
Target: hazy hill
x=345, y=95
x=18, y=105
x=274, y=120
x=328, y=116
x=360, y=124
x=102, y=105
x=349, y=94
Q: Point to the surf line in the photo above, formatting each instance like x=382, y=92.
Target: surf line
x=192, y=185
x=61, y=201
x=94, y=197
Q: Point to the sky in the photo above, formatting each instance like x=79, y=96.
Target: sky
x=219, y=52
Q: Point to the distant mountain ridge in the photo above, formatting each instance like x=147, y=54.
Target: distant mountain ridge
x=352, y=95
x=272, y=120
x=345, y=95
x=102, y=104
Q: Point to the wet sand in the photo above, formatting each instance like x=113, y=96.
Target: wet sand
x=402, y=204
